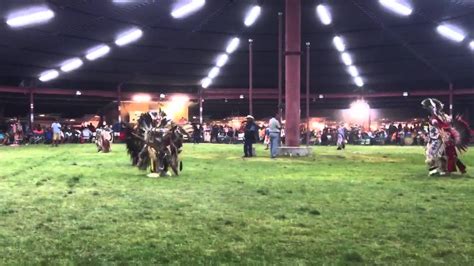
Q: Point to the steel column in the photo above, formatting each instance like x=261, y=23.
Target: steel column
x=280, y=65
x=308, y=48
x=250, y=76
x=32, y=110
x=201, y=100
x=451, y=90
x=119, y=102
x=293, y=72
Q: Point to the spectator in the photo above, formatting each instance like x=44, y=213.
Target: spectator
x=250, y=136
x=56, y=128
x=274, y=129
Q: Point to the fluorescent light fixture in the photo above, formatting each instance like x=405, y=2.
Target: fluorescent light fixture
x=222, y=60
x=324, y=14
x=97, y=52
x=48, y=75
x=42, y=115
x=346, y=58
x=353, y=71
x=451, y=32
x=358, y=81
x=397, y=6
x=405, y=94
x=205, y=83
x=30, y=16
x=213, y=73
x=471, y=44
x=252, y=16
x=129, y=36
x=188, y=8
x=233, y=45
x=71, y=64
x=141, y=98
x=339, y=44
x=78, y=93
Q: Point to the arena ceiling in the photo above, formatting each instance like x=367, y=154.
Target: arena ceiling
x=391, y=52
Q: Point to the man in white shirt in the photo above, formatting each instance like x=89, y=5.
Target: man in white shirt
x=56, y=128
x=274, y=128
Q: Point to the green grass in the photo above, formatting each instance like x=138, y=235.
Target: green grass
x=367, y=205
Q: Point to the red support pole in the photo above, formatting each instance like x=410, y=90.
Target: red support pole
x=280, y=65
x=308, y=46
x=250, y=76
x=451, y=92
x=293, y=72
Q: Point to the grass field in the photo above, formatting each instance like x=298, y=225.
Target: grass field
x=368, y=205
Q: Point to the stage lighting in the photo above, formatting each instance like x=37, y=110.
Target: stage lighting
x=252, y=16
x=141, y=98
x=205, y=83
x=339, y=44
x=48, y=75
x=353, y=71
x=324, y=14
x=346, y=58
x=128, y=37
x=222, y=60
x=232, y=46
x=213, y=73
x=451, y=32
x=71, y=65
x=360, y=109
x=97, y=52
x=30, y=16
x=358, y=81
x=397, y=6
x=188, y=8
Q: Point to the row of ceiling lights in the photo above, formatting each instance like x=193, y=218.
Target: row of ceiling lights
x=42, y=14
x=232, y=45
x=326, y=19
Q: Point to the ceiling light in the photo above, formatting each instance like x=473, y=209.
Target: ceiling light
x=252, y=16
x=324, y=14
x=241, y=96
x=162, y=96
x=213, y=73
x=471, y=45
x=405, y=94
x=358, y=81
x=339, y=43
x=321, y=96
x=451, y=32
x=222, y=60
x=48, y=75
x=30, y=16
x=78, y=93
x=205, y=83
x=97, y=52
x=232, y=46
x=346, y=58
x=188, y=8
x=71, y=65
x=353, y=71
x=128, y=37
x=397, y=6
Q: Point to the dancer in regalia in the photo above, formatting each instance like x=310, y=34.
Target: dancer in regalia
x=155, y=142
x=446, y=137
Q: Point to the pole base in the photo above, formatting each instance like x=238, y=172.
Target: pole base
x=302, y=151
